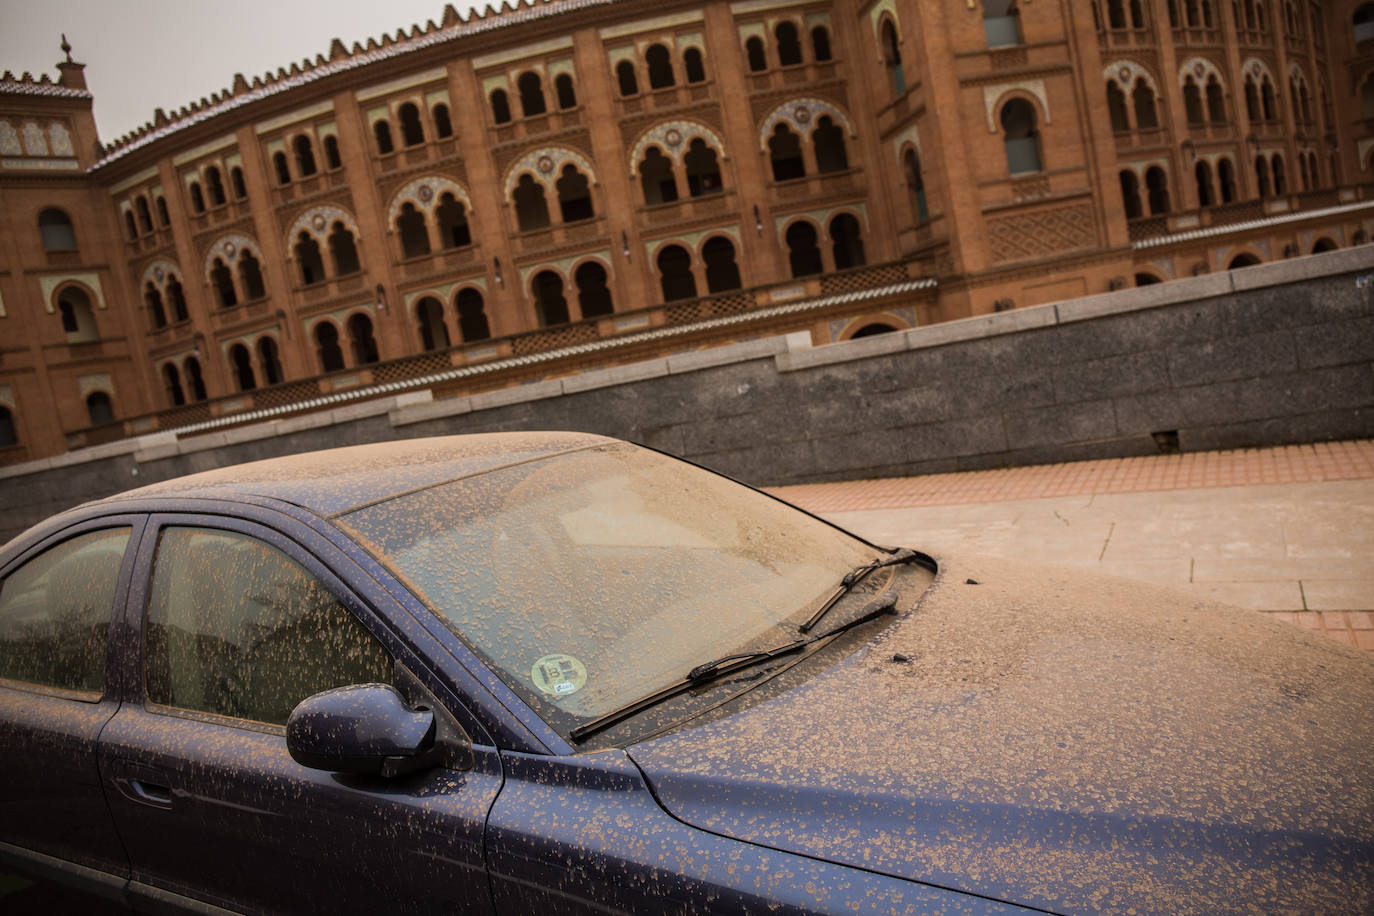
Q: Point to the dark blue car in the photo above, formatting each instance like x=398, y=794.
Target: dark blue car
x=558, y=673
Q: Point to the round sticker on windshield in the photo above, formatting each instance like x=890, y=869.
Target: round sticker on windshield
x=559, y=675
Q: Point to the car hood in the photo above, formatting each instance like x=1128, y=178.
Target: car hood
x=1060, y=740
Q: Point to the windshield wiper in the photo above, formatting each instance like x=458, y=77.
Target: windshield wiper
x=853, y=577
x=885, y=603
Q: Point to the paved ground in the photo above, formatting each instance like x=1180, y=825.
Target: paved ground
x=1284, y=530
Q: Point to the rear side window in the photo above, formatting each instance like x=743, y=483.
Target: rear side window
x=237, y=628
x=55, y=613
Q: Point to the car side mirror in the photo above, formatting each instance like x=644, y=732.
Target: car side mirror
x=365, y=729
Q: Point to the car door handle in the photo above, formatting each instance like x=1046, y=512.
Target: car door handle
x=144, y=792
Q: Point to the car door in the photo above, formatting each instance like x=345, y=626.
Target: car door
x=237, y=623
x=57, y=602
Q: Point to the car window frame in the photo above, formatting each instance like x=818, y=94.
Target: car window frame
x=312, y=550
x=49, y=539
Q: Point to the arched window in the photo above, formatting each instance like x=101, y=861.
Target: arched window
x=327, y=347
x=593, y=296
x=452, y=219
x=130, y=227
x=154, y=300
x=78, y=321
x=784, y=150
x=309, y=259
x=176, y=297
x=171, y=382
x=1143, y=98
x=753, y=51
x=429, y=312
x=574, y=195
x=847, y=240
x=626, y=79
x=1203, y=173
x=145, y=216
x=1252, y=106
x=1022, y=139
x=660, y=66
x=361, y=341
x=1244, y=259
x=820, y=43
x=472, y=320
x=703, y=169
x=1116, y=107
x=1116, y=14
x=1216, y=101
x=443, y=124
x=722, y=273
x=803, y=255
x=531, y=94
x=531, y=209
x=215, y=185
x=694, y=64
x=1130, y=194
x=1192, y=101
x=343, y=250
x=675, y=274
x=100, y=408
x=830, y=151
x=237, y=183
x=281, y=168
x=550, y=305
x=56, y=231
x=500, y=107
x=1363, y=22
x=1157, y=187
x=1324, y=244
x=1312, y=170
x=916, y=184
x=250, y=275
x=163, y=216
x=332, y=157
x=305, y=155
x=241, y=364
x=8, y=435
x=563, y=88
x=194, y=380
x=410, y=225
x=1267, y=100
x=789, y=44
x=381, y=132
x=1280, y=175
x=656, y=178
x=892, y=58
x=1302, y=171
x=1001, y=23
x=1262, y=176
x=412, y=131
x=270, y=360
x=197, y=198
x=223, y=282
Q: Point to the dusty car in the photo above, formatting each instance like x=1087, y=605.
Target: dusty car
x=556, y=672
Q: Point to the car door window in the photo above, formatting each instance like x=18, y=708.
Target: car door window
x=237, y=628
x=55, y=613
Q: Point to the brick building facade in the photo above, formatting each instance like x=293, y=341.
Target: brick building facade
x=526, y=194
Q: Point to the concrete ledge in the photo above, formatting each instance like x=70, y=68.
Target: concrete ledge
x=1311, y=267
x=436, y=409
x=1145, y=297
x=863, y=348
x=616, y=375
x=979, y=326
x=517, y=395
x=734, y=353
x=304, y=421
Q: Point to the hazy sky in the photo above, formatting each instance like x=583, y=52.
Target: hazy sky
x=145, y=54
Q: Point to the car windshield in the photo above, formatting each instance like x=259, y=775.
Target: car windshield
x=591, y=578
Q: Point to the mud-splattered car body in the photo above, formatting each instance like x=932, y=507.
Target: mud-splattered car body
x=984, y=737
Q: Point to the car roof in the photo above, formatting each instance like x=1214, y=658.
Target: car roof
x=339, y=479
